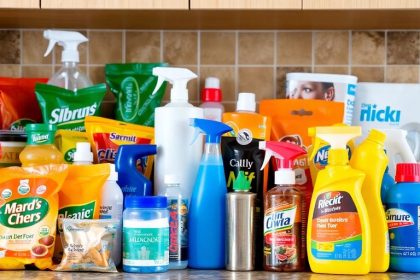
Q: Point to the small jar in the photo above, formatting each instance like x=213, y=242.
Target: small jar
x=145, y=234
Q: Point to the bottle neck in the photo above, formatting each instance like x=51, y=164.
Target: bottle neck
x=338, y=157
x=212, y=153
x=70, y=64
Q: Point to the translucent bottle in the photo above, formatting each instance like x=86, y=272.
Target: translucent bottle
x=40, y=148
x=211, y=98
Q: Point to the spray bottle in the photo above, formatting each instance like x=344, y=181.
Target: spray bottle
x=69, y=75
x=284, y=230
x=370, y=158
x=208, y=201
x=173, y=135
x=338, y=239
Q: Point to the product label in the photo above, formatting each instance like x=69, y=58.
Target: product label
x=84, y=211
x=129, y=99
x=373, y=113
x=145, y=246
x=178, y=229
x=281, y=229
x=336, y=230
x=19, y=125
x=404, y=229
x=321, y=157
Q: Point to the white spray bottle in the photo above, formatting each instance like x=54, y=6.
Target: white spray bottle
x=69, y=75
x=176, y=152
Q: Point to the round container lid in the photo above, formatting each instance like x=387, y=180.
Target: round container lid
x=246, y=102
x=83, y=153
x=135, y=201
x=41, y=127
x=407, y=172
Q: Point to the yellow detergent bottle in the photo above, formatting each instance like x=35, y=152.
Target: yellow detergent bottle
x=370, y=158
x=338, y=236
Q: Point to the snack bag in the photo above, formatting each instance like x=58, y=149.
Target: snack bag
x=66, y=140
x=105, y=136
x=88, y=245
x=133, y=85
x=28, y=214
x=66, y=108
x=18, y=104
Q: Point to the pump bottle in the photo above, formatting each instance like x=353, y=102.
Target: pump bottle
x=284, y=227
x=338, y=239
x=208, y=201
x=173, y=135
x=69, y=76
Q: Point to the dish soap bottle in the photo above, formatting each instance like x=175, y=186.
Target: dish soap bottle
x=370, y=158
x=173, y=135
x=69, y=75
x=338, y=239
x=211, y=98
x=284, y=242
x=208, y=202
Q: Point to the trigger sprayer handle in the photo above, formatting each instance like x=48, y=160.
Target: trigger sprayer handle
x=50, y=47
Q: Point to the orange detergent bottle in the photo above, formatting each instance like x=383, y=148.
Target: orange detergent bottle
x=40, y=148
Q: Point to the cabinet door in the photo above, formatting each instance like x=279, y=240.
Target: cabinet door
x=246, y=4
x=115, y=4
x=24, y=4
x=360, y=4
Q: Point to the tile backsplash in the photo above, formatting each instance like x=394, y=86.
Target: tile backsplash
x=254, y=61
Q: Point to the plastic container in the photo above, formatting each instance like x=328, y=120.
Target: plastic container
x=11, y=145
x=145, y=216
x=83, y=154
x=330, y=87
x=211, y=98
x=40, y=148
x=403, y=204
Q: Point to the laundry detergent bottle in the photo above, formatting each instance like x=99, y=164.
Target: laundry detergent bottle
x=338, y=238
x=207, y=219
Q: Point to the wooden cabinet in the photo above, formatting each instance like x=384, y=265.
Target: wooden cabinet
x=246, y=4
x=360, y=4
x=116, y=4
x=20, y=4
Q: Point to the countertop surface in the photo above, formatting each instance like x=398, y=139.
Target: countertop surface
x=197, y=274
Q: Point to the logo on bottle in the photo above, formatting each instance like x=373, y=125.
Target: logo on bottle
x=279, y=220
x=371, y=113
x=330, y=199
x=398, y=218
x=244, y=136
x=321, y=156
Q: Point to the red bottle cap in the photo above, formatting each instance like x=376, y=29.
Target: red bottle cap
x=407, y=172
x=211, y=95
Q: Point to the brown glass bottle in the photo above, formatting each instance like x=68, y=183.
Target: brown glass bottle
x=284, y=243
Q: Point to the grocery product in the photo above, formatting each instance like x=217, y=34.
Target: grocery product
x=66, y=140
x=11, y=145
x=211, y=98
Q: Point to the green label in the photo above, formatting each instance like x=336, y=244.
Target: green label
x=84, y=211
x=23, y=212
x=146, y=246
x=40, y=138
x=129, y=99
x=69, y=155
x=19, y=125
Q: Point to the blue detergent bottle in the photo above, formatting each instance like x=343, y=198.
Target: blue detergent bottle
x=387, y=183
x=207, y=215
x=130, y=179
x=403, y=204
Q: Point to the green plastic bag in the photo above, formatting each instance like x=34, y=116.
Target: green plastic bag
x=66, y=108
x=133, y=85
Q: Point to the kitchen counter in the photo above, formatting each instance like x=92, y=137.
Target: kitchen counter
x=197, y=274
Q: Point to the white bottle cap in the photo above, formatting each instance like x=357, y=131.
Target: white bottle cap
x=246, y=102
x=212, y=82
x=113, y=174
x=285, y=176
x=83, y=153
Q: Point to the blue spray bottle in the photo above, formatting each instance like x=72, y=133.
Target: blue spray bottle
x=130, y=179
x=207, y=215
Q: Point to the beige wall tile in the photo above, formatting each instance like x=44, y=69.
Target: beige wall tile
x=281, y=78
x=256, y=48
x=331, y=69
x=369, y=74
x=10, y=70
x=402, y=74
x=142, y=46
x=217, y=48
x=403, y=47
x=294, y=48
x=105, y=47
x=368, y=47
x=226, y=76
x=258, y=80
x=331, y=47
x=37, y=71
x=34, y=47
x=230, y=107
x=10, y=47
x=83, y=50
x=180, y=48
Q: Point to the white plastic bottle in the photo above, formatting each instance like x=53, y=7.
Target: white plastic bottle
x=112, y=208
x=211, y=98
x=69, y=75
x=83, y=155
x=177, y=153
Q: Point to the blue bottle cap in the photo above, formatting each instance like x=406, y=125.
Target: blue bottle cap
x=135, y=201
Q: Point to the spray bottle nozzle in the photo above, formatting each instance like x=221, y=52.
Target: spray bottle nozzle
x=178, y=77
x=69, y=40
x=212, y=129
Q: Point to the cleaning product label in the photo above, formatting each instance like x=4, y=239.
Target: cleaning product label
x=67, y=109
x=404, y=229
x=336, y=229
x=282, y=229
x=178, y=229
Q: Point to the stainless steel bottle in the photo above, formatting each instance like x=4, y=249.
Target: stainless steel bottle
x=240, y=226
